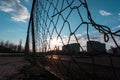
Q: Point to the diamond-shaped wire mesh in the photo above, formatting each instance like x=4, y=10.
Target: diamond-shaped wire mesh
x=62, y=22
x=58, y=24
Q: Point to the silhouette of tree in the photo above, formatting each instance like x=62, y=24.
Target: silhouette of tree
x=6, y=44
x=11, y=47
x=1, y=43
x=20, y=46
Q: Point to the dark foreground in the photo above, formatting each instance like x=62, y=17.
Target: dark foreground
x=16, y=68
x=80, y=68
x=29, y=72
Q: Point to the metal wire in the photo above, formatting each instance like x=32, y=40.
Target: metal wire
x=51, y=21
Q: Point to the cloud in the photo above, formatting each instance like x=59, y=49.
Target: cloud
x=26, y=0
x=104, y=13
x=21, y=14
x=81, y=40
x=5, y=9
x=117, y=27
x=16, y=9
x=119, y=14
x=79, y=37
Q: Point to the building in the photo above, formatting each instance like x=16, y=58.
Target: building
x=95, y=47
x=71, y=48
x=116, y=50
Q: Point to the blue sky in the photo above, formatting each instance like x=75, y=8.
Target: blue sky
x=14, y=17
x=104, y=12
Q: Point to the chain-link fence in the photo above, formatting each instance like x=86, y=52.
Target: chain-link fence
x=68, y=37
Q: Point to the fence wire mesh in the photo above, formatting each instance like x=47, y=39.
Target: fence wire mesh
x=60, y=29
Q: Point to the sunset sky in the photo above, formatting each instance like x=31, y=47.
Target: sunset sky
x=15, y=14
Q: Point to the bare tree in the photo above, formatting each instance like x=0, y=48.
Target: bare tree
x=20, y=46
x=1, y=43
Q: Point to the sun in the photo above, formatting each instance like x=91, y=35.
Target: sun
x=55, y=42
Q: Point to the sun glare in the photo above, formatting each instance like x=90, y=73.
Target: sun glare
x=55, y=42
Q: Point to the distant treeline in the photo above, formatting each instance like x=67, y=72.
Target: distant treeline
x=7, y=47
